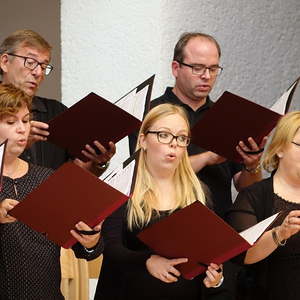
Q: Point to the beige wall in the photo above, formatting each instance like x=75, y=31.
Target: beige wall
x=44, y=18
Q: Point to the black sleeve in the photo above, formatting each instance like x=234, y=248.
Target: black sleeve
x=114, y=240
x=81, y=252
x=242, y=216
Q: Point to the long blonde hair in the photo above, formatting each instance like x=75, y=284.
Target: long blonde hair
x=187, y=186
x=284, y=134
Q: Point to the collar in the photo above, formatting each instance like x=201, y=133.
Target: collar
x=38, y=104
x=175, y=100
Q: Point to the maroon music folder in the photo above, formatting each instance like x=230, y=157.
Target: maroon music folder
x=197, y=233
x=230, y=120
x=92, y=118
x=71, y=194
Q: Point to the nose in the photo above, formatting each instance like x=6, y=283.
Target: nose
x=37, y=71
x=173, y=143
x=206, y=74
x=21, y=127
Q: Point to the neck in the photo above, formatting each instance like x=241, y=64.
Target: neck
x=14, y=167
x=287, y=186
x=192, y=103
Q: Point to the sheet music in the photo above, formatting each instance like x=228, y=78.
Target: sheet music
x=281, y=105
x=134, y=102
x=252, y=234
x=121, y=178
x=2, y=152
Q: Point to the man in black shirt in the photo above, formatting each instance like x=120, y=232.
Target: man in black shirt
x=25, y=62
x=195, y=66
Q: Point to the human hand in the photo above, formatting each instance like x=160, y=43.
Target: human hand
x=214, y=158
x=163, y=268
x=251, y=155
x=84, y=234
x=96, y=159
x=214, y=275
x=5, y=206
x=38, y=132
x=289, y=226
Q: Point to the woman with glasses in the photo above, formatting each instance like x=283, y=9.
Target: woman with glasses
x=165, y=182
x=275, y=257
x=29, y=262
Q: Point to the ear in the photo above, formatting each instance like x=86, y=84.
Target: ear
x=175, y=68
x=3, y=62
x=142, y=141
x=280, y=154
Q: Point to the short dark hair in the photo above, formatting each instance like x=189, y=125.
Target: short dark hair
x=24, y=37
x=185, y=37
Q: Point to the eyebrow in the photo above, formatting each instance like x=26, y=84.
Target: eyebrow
x=168, y=129
x=32, y=55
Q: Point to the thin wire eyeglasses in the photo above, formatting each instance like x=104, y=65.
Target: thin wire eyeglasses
x=201, y=69
x=31, y=63
x=167, y=138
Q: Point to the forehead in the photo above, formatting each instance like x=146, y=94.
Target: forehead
x=174, y=122
x=201, y=50
x=37, y=53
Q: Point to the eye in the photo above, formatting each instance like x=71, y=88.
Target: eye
x=199, y=68
x=30, y=62
x=182, y=138
x=164, y=135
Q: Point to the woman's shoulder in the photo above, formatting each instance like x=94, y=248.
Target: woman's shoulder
x=39, y=172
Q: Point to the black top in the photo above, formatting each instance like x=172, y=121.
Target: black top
x=30, y=265
x=217, y=177
x=124, y=274
x=45, y=153
x=276, y=277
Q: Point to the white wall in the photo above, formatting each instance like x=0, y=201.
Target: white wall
x=110, y=46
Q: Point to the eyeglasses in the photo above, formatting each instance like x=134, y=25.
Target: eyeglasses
x=201, y=69
x=31, y=63
x=297, y=144
x=167, y=138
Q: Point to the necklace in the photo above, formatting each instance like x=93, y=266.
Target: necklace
x=13, y=170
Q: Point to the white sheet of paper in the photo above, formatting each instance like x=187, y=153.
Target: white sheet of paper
x=121, y=178
x=280, y=105
x=134, y=102
x=252, y=234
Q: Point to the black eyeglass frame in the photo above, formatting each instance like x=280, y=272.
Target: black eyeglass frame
x=173, y=137
x=204, y=68
x=47, y=68
x=297, y=144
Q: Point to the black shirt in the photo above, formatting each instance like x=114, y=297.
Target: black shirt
x=45, y=153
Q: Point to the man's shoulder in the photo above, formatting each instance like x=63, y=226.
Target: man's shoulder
x=47, y=102
x=167, y=97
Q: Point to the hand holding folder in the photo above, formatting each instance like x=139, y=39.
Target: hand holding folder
x=230, y=120
x=69, y=195
x=198, y=234
x=94, y=118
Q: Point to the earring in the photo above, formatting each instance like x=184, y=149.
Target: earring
x=279, y=155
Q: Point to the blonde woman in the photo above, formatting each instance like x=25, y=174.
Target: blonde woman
x=275, y=258
x=165, y=182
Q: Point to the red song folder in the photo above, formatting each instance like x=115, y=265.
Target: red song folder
x=230, y=120
x=197, y=233
x=71, y=194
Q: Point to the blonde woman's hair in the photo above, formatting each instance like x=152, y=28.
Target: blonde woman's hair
x=284, y=134
x=12, y=99
x=187, y=186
